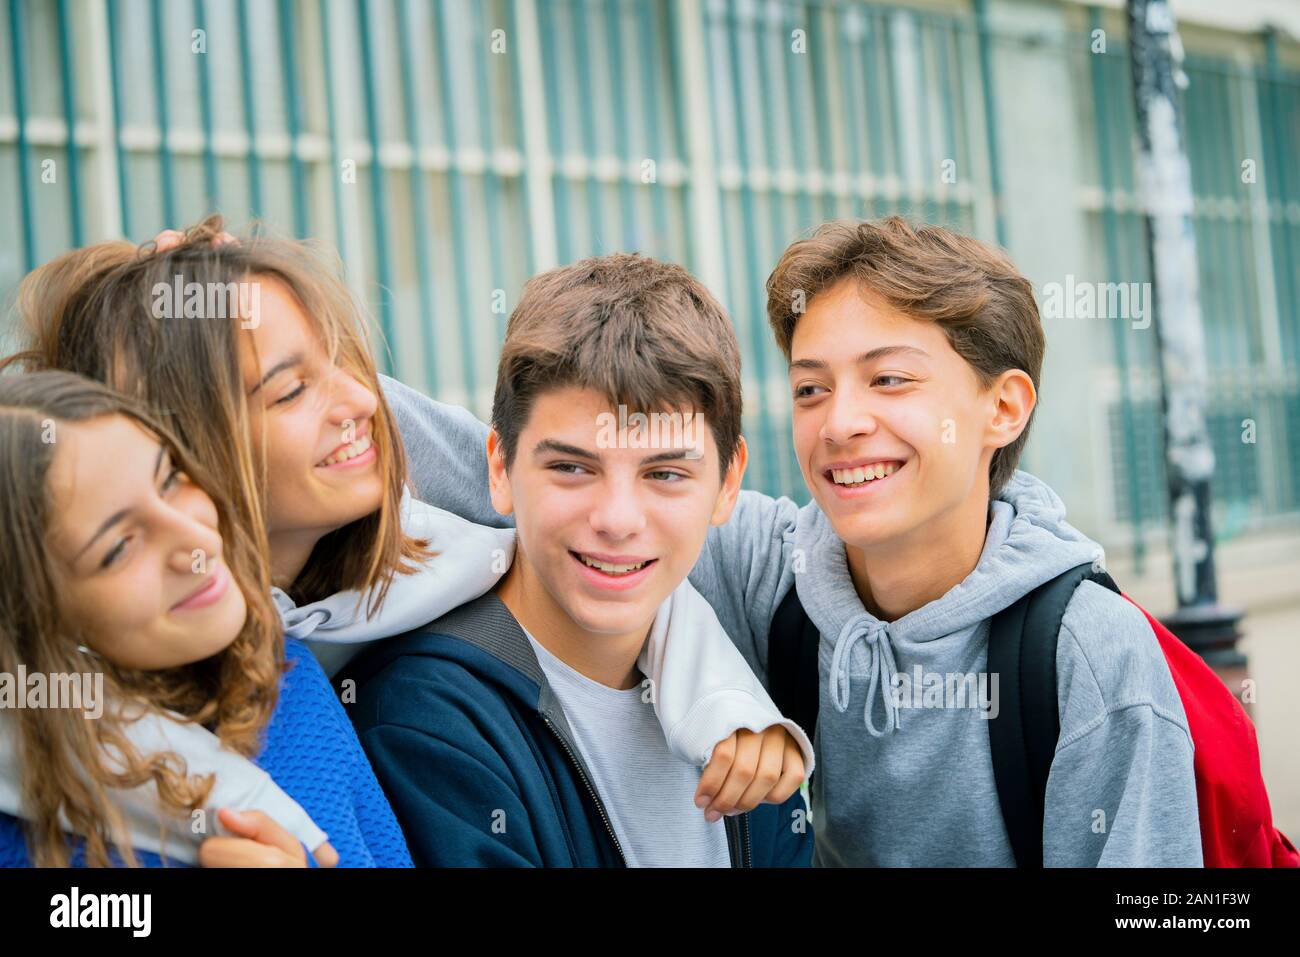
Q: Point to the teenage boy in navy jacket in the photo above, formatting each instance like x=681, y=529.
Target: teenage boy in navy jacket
x=515, y=731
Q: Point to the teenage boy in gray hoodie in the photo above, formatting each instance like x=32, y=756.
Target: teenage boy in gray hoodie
x=914, y=362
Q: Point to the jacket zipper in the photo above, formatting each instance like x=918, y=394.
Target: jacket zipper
x=738, y=846
x=744, y=837
x=590, y=790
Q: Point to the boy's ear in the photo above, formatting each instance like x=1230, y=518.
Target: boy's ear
x=1014, y=399
x=498, y=481
x=726, y=500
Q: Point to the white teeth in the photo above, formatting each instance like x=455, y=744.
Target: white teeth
x=358, y=447
x=867, y=473
x=609, y=569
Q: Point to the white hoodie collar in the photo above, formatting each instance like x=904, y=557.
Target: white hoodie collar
x=337, y=627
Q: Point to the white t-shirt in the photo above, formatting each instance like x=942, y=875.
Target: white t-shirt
x=648, y=793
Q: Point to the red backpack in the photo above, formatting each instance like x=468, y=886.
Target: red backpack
x=1236, y=820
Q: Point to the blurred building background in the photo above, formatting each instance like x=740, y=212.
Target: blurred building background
x=451, y=148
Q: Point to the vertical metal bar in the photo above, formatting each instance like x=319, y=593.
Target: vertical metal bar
x=755, y=309
x=531, y=119
x=772, y=464
x=1208, y=230
x=871, y=36
x=949, y=122
x=966, y=160
x=982, y=214
x=423, y=259
x=1283, y=253
x=587, y=125
x=674, y=38
x=851, y=24
x=613, y=40
x=491, y=184
x=697, y=134
x=775, y=198
x=1110, y=230
x=1237, y=291
x=24, y=150
x=827, y=160
x=812, y=90
x=211, y=182
x=161, y=85
x=70, y=120
x=990, y=116
x=442, y=46
x=555, y=134
x=794, y=78
x=377, y=197
x=929, y=205
x=650, y=40
x=250, y=113
x=98, y=62
x=896, y=91
x=115, y=65
x=1253, y=96
x=289, y=64
x=1234, y=149
x=335, y=150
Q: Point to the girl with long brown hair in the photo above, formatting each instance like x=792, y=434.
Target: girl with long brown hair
x=136, y=586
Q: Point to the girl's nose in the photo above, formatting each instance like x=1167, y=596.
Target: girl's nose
x=192, y=543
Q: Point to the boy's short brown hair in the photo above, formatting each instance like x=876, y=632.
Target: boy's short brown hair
x=973, y=291
x=646, y=334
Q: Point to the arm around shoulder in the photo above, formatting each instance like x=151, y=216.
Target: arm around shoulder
x=446, y=454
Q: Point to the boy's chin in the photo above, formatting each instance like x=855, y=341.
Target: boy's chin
x=861, y=529
x=611, y=617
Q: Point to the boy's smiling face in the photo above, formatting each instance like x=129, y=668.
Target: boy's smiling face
x=877, y=393
x=638, y=514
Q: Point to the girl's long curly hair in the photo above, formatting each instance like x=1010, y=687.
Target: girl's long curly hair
x=72, y=761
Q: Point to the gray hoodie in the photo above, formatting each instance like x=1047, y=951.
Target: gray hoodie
x=905, y=775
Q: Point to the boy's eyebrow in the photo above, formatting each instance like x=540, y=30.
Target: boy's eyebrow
x=275, y=370
x=563, y=448
x=872, y=355
x=118, y=516
x=672, y=455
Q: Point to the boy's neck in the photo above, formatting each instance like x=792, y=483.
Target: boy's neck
x=896, y=578
x=607, y=659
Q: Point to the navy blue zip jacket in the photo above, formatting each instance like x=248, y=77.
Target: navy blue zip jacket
x=478, y=761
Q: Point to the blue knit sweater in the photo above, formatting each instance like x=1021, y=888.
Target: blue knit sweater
x=313, y=754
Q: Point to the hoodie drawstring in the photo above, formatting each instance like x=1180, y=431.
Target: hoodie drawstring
x=882, y=669
x=297, y=623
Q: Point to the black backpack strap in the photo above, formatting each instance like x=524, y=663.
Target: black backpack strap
x=1022, y=653
x=792, y=677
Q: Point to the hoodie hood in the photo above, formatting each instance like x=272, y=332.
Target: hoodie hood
x=335, y=628
x=1027, y=544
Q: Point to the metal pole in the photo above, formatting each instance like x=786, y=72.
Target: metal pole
x=1166, y=183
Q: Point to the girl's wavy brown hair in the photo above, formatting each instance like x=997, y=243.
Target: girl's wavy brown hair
x=92, y=311
x=67, y=754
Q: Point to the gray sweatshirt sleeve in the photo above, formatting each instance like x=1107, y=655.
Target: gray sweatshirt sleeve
x=1122, y=790
x=745, y=569
x=446, y=454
